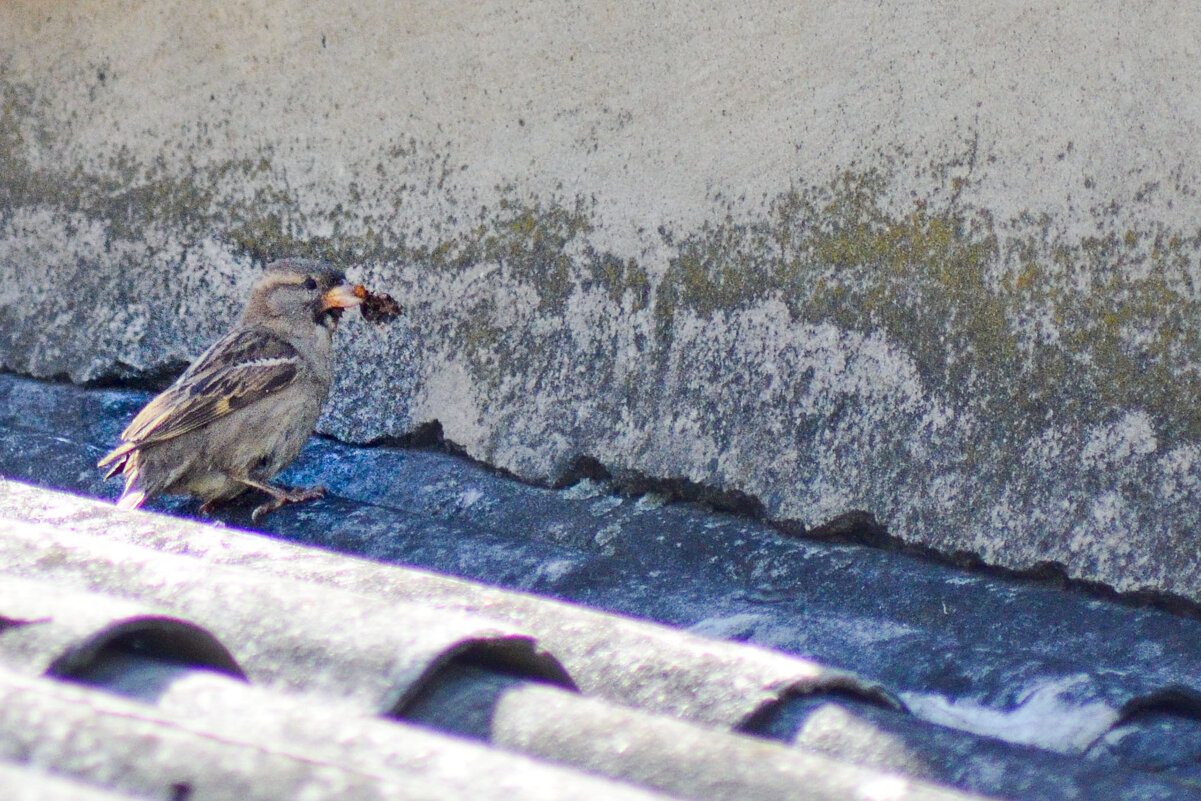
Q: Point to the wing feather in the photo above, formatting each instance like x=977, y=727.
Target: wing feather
x=239, y=369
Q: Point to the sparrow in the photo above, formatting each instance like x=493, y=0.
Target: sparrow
x=244, y=409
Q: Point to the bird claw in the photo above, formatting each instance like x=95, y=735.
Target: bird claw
x=285, y=497
x=268, y=507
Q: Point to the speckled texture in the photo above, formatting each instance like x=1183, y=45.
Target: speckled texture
x=940, y=265
x=394, y=649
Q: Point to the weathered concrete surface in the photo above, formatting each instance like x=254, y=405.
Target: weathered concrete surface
x=939, y=264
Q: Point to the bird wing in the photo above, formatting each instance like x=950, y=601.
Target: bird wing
x=239, y=369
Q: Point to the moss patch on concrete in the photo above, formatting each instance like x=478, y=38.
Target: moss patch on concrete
x=1012, y=327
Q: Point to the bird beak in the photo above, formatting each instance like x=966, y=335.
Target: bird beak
x=343, y=296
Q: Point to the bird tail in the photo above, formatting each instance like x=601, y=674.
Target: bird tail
x=128, y=464
x=131, y=498
x=117, y=459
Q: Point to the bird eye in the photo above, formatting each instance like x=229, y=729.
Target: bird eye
x=309, y=283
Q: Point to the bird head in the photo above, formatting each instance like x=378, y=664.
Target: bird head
x=296, y=292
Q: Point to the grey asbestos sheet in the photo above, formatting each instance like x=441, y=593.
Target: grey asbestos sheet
x=326, y=731
x=48, y=628
x=127, y=747
x=23, y=783
x=292, y=634
x=686, y=759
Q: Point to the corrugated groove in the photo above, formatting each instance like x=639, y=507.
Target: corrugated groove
x=234, y=751
x=66, y=633
x=298, y=636
x=475, y=679
x=207, y=705
x=683, y=758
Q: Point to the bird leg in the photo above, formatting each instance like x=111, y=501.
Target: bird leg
x=280, y=497
x=207, y=507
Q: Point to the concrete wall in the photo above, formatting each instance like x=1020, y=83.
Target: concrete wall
x=940, y=264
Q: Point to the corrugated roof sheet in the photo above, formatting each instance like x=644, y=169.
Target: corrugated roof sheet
x=24, y=783
x=291, y=612
x=322, y=660
x=49, y=629
x=297, y=636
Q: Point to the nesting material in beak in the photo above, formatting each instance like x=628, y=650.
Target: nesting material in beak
x=377, y=307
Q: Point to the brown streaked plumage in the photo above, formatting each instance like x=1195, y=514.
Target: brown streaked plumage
x=245, y=408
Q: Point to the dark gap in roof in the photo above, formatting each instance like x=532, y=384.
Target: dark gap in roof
x=141, y=657
x=462, y=695
x=141, y=678
x=426, y=435
x=1177, y=701
x=517, y=656
x=507, y=661
x=1163, y=601
x=678, y=489
x=61, y=378
x=782, y=718
x=7, y=623
x=847, y=726
x=859, y=527
x=855, y=527
x=584, y=467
